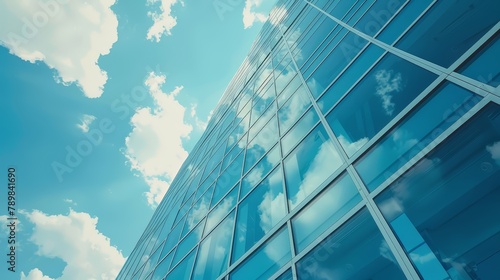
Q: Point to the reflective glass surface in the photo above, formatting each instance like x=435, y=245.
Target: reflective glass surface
x=213, y=257
x=356, y=250
x=264, y=262
x=305, y=167
x=299, y=130
x=384, y=92
x=484, y=65
x=334, y=202
x=421, y=127
x=449, y=28
x=260, y=170
x=183, y=270
x=441, y=209
x=259, y=212
x=315, y=117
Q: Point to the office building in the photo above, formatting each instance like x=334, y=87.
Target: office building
x=358, y=140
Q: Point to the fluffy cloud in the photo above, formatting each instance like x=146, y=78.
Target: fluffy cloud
x=387, y=83
x=86, y=121
x=163, y=21
x=75, y=239
x=154, y=146
x=250, y=16
x=35, y=274
x=68, y=36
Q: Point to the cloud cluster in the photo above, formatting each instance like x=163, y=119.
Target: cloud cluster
x=68, y=36
x=154, y=146
x=250, y=16
x=74, y=238
x=163, y=21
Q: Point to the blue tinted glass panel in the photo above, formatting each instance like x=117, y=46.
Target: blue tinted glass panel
x=266, y=260
x=260, y=170
x=188, y=243
x=213, y=257
x=356, y=250
x=286, y=276
x=163, y=267
x=349, y=77
x=309, y=165
x=337, y=60
x=377, y=15
x=289, y=90
x=183, y=270
x=403, y=20
x=293, y=109
x=262, y=143
x=484, y=65
x=259, y=212
x=174, y=236
x=444, y=209
x=449, y=28
x=219, y=212
x=304, y=125
x=410, y=137
x=227, y=179
x=384, y=92
x=313, y=220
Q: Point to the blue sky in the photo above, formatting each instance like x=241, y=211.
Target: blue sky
x=102, y=101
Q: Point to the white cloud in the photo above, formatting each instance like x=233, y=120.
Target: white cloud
x=317, y=172
x=352, y=147
x=70, y=201
x=494, y=150
x=250, y=16
x=74, y=238
x=200, y=124
x=388, y=82
x=163, y=21
x=68, y=36
x=86, y=121
x=35, y=274
x=154, y=146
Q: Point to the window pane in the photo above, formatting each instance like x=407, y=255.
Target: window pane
x=410, y=137
x=265, y=261
x=260, y=170
x=188, y=243
x=286, y=276
x=484, y=66
x=227, y=179
x=213, y=257
x=219, y=212
x=384, y=92
x=449, y=28
x=304, y=125
x=444, y=210
x=356, y=250
x=163, y=267
x=377, y=15
x=262, y=143
x=259, y=212
x=293, y=109
x=341, y=55
x=403, y=20
x=349, y=77
x=309, y=165
x=183, y=270
x=340, y=197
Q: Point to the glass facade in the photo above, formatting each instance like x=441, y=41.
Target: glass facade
x=358, y=140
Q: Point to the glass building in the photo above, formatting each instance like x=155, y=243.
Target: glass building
x=358, y=140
